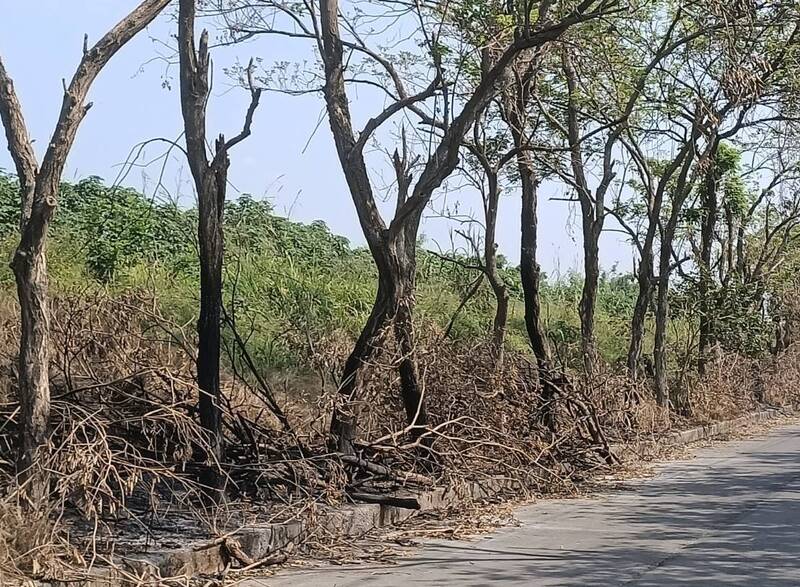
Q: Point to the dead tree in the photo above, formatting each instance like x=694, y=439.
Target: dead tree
x=210, y=180
x=39, y=187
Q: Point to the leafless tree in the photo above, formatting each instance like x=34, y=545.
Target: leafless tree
x=39, y=187
x=210, y=180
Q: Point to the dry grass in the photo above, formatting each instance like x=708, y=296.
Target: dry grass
x=125, y=439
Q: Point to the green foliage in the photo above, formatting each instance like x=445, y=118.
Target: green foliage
x=114, y=228
x=293, y=286
x=739, y=323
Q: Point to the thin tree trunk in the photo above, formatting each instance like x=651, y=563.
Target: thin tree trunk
x=730, y=247
x=210, y=180
x=499, y=288
x=530, y=274
x=529, y=267
x=660, y=343
x=592, y=214
x=662, y=297
x=588, y=301
x=644, y=279
x=709, y=204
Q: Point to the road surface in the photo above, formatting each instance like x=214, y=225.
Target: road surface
x=731, y=516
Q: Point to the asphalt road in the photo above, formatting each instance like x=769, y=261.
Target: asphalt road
x=730, y=516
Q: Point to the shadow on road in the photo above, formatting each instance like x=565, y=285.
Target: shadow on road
x=729, y=520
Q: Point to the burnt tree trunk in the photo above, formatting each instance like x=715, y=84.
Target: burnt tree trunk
x=210, y=180
x=660, y=342
x=529, y=271
x=210, y=204
x=586, y=308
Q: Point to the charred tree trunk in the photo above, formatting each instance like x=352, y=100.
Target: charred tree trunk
x=211, y=201
x=514, y=106
x=660, y=343
x=38, y=193
x=210, y=180
x=588, y=301
x=530, y=272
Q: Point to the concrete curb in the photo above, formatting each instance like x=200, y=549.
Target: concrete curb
x=648, y=448
x=259, y=541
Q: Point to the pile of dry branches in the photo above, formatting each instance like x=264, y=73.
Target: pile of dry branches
x=125, y=439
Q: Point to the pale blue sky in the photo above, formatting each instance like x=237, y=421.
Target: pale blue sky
x=284, y=159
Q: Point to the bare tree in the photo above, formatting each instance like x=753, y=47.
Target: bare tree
x=39, y=187
x=484, y=171
x=210, y=180
x=394, y=247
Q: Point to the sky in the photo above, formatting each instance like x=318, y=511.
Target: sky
x=290, y=158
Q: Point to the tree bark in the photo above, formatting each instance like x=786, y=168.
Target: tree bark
x=644, y=279
x=344, y=419
x=709, y=219
x=591, y=265
x=30, y=271
x=680, y=193
x=530, y=273
x=393, y=308
x=211, y=200
x=210, y=180
x=662, y=320
x=497, y=284
x=39, y=191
